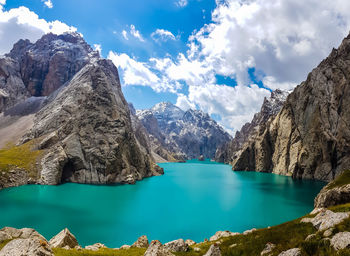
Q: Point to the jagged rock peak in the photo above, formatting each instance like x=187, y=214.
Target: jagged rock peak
x=190, y=133
x=270, y=108
x=51, y=61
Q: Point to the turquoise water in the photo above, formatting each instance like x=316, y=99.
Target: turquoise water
x=192, y=200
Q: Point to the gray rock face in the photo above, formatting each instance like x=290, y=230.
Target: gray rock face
x=214, y=250
x=141, y=242
x=64, y=239
x=309, y=137
x=176, y=246
x=227, y=152
x=291, y=252
x=94, y=140
x=28, y=247
x=341, y=240
x=335, y=196
x=157, y=249
x=268, y=249
x=189, y=133
x=326, y=219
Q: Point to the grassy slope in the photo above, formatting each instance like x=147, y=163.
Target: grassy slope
x=342, y=180
x=19, y=156
x=286, y=236
x=104, y=252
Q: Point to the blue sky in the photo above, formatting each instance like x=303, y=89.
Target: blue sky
x=220, y=56
x=102, y=22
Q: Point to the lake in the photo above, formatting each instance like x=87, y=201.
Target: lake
x=192, y=200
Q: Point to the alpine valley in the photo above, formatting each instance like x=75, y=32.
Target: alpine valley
x=281, y=185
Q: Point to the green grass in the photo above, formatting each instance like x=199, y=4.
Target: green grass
x=3, y=243
x=104, y=252
x=342, y=180
x=22, y=156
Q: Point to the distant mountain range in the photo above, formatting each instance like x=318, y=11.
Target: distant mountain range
x=185, y=134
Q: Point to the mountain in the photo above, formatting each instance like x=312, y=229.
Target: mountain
x=226, y=153
x=310, y=136
x=187, y=134
x=66, y=102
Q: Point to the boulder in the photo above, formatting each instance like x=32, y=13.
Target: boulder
x=190, y=242
x=291, y=252
x=176, y=246
x=341, y=240
x=157, y=249
x=95, y=247
x=141, y=242
x=268, y=249
x=335, y=196
x=125, y=247
x=310, y=237
x=328, y=232
x=27, y=247
x=63, y=239
x=221, y=234
x=249, y=231
x=214, y=250
x=326, y=219
x=4, y=236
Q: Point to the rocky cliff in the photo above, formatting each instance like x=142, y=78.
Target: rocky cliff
x=82, y=127
x=227, y=152
x=309, y=138
x=187, y=134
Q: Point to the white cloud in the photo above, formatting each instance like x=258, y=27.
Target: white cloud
x=48, y=3
x=21, y=23
x=2, y=2
x=162, y=35
x=98, y=48
x=182, y=3
x=125, y=35
x=134, y=32
x=282, y=40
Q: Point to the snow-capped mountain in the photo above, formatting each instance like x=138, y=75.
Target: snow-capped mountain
x=189, y=134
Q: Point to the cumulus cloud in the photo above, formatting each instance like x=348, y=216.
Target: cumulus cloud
x=284, y=39
x=281, y=40
x=162, y=35
x=48, y=3
x=19, y=23
x=136, y=33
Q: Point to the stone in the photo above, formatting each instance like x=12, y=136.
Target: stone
x=141, y=242
x=214, y=250
x=268, y=249
x=12, y=232
x=125, y=247
x=190, y=242
x=233, y=245
x=335, y=196
x=176, y=246
x=196, y=249
x=341, y=240
x=249, y=231
x=95, y=247
x=310, y=237
x=63, y=239
x=291, y=252
x=326, y=219
x=221, y=234
x=29, y=246
x=328, y=232
x=4, y=236
x=157, y=249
